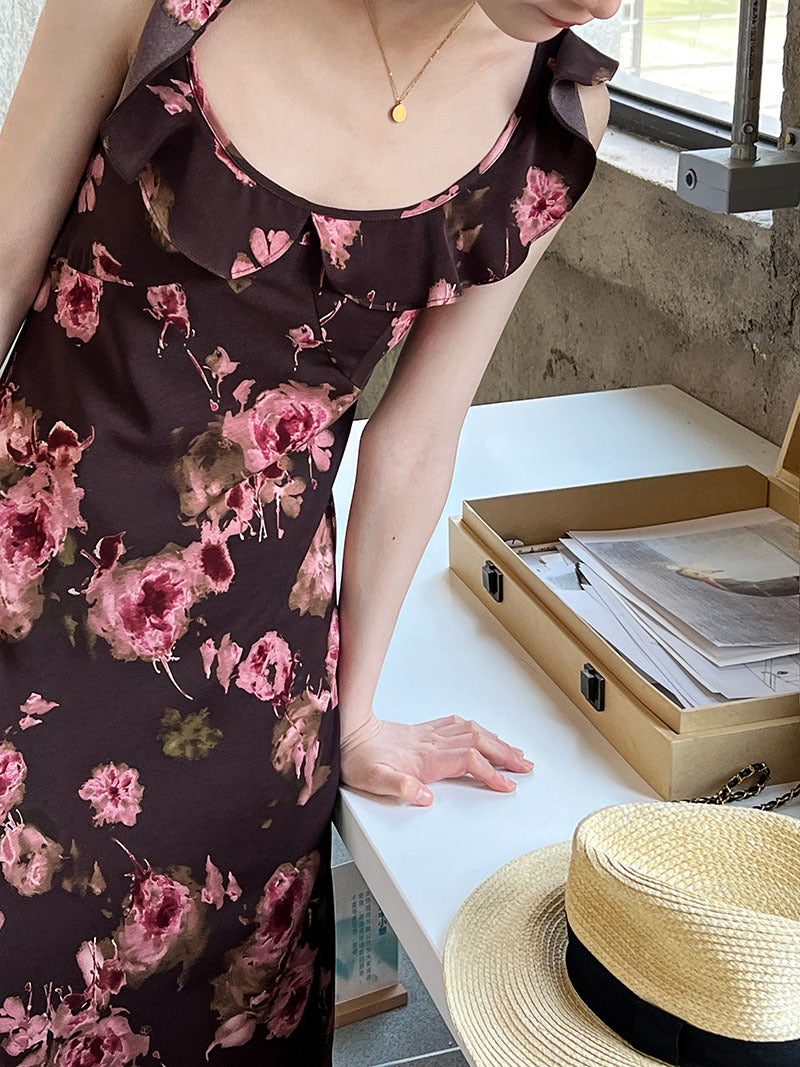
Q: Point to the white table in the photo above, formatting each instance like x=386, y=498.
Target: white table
x=450, y=655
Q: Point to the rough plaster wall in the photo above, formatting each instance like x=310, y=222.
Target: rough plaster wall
x=639, y=287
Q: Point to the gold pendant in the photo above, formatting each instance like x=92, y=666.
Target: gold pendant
x=398, y=112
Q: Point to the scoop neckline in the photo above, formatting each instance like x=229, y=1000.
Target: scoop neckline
x=455, y=187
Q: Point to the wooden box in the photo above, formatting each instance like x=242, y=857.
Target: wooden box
x=680, y=752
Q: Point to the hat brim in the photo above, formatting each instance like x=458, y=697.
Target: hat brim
x=508, y=992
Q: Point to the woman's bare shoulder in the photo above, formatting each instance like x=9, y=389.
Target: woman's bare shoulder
x=76, y=64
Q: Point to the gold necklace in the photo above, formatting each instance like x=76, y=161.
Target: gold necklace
x=398, y=112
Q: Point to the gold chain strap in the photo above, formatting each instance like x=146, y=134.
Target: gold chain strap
x=729, y=793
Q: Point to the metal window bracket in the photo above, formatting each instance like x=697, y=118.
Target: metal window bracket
x=744, y=176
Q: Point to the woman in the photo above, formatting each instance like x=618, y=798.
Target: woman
x=181, y=691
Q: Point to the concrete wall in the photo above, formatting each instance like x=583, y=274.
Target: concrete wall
x=639, y=287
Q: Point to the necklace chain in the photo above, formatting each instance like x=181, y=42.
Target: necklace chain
x=398, y=112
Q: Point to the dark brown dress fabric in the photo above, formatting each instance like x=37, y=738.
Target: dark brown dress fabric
x=171, y=424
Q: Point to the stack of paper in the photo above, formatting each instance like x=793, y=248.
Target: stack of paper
x=708, y=609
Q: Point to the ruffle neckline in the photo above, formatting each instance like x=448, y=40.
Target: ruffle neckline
x=219, y=210
x=225, y=143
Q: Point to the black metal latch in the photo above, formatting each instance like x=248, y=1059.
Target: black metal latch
x=593, y=686
x=492, y=580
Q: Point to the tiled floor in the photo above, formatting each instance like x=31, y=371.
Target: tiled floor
x=413, y=1036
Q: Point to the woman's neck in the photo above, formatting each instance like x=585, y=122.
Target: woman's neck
x=416, y=27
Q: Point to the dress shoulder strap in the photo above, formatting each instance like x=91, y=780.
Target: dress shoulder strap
x=170, y=30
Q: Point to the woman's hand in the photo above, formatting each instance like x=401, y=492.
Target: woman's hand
x=395, y=759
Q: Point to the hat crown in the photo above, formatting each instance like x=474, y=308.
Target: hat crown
x=696, y=909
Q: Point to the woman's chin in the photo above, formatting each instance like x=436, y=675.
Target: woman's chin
x=521, y=20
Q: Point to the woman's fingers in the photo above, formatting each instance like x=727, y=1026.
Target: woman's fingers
x=456, y=725
x=467, y=732
x=472, y=735
x=495, y=750
x=455, y=762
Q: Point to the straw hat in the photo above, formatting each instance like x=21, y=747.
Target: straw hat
x=679, y=923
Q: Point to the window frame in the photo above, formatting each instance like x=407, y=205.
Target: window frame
x=640, y=111
x=641, y=115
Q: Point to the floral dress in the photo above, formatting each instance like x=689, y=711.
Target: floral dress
x=172, y=419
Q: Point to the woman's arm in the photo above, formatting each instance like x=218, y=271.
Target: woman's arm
x=72, y=77
x=405, y=467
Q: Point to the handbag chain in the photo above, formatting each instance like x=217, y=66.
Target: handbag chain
x=760, y=773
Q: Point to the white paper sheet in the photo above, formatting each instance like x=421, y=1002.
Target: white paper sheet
x=717, y=579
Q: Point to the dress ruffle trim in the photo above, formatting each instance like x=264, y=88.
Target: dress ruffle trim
x=209, y=204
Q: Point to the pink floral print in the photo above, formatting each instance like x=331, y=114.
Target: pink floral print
x=213, y=891
x=103, y=977
x=37, y=705
x=401, y=324
x=227, y=656
x=195, y=13
x=442, y=292
x=542, y=203
x=221, y=365
x=106, y=1042
x=336, y=236
x=78, y=293
x=32, y=710
x=264, y=247
x=268, y=670
x=164, y=924
x=115, y=793
x=313, y=587
x=203, y=336
x=292, y=997
x=28, y=858
x=217, y=478
x=39, y=506
x=168, y=305
x=78, y=302
x=141, y=608
x=291, y=418
x=302, y=337
x=69, y=1033
x=295, y=744
x=210, y=558
x=18, y=444
x=174, y=100
x=105, y=267
x=13, y=771
x=429, y=205
x=247, y=994
x=23, y=1030
x=282, y=908
x=93, y=176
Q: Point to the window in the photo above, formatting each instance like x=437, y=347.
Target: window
x=678, y=67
